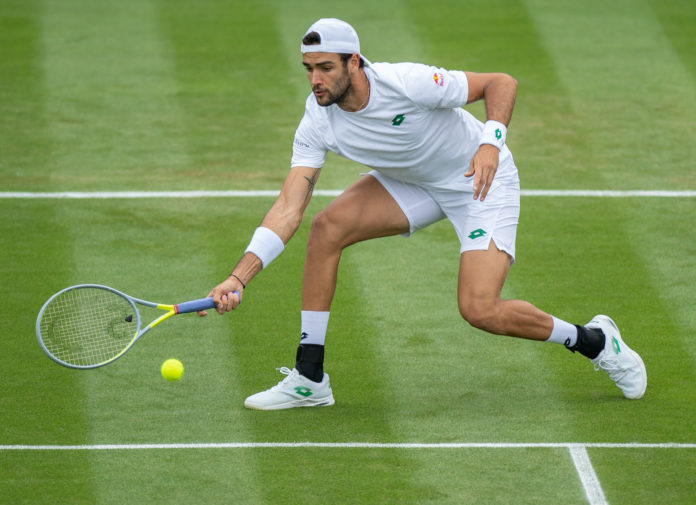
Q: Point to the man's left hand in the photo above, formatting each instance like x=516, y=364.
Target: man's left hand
x=483, y=167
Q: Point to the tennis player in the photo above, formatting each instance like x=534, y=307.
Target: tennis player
x=430, y=160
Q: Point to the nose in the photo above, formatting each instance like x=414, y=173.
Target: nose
x=314, y=78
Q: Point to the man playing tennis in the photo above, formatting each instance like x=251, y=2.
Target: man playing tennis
x=430, y=160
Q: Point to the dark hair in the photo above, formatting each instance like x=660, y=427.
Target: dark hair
x=314, y=39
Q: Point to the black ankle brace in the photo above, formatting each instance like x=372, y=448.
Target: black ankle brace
x=590, y=342
x=310, y=361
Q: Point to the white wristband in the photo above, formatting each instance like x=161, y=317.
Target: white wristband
x=265, y=244
x=493, y=133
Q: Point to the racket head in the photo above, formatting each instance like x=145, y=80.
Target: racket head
x=87, y=326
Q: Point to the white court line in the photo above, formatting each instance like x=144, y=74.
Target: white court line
x=349, y=445
x=78, y=195
x=578, y=452
x=588, y=477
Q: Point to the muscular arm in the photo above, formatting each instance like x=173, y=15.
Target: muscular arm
x=284, y=218
x=498, y=92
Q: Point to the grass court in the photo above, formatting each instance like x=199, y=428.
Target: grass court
x=170, y=95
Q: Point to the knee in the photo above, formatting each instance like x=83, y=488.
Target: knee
x=479, y=314
x=325, y=230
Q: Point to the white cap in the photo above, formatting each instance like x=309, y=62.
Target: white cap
x=336, y=37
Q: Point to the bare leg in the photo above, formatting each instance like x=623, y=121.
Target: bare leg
x=481, y=278
x=364, y=211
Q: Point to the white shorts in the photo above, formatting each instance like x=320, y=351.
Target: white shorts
x=476, y=222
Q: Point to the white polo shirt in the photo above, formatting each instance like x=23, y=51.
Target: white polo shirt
x=413, y=129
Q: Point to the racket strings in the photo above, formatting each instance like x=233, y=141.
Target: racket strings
x=88, y=326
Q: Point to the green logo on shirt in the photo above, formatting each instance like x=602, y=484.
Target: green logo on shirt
x=398, y=119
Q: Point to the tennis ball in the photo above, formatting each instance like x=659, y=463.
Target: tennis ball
x=172, y=369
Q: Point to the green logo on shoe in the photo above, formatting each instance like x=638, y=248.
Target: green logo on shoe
x=615, y=345
x=303, y=391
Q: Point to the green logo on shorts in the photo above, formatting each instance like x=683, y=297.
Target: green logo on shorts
x=477, y=234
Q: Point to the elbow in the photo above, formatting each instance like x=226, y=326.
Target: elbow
x=510, y=81
x=499, y=83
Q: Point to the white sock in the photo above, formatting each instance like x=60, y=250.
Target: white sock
x=563, y=333
x=314, y=326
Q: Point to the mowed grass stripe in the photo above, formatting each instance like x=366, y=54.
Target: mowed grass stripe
x=602, y=265
x=664, y=244
x=594, y=264
x=158, y=259
x=110, y=73
x=678, y=20
x=601, y=51
x=39, y=401
x=99, y=59
x=110, y=96
x=22, y=123
x=239, y=113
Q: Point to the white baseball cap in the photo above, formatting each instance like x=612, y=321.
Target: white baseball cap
x=336, y=37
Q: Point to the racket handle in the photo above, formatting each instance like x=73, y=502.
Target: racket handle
x=194, y=305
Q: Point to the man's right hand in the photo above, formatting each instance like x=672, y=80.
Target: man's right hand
x=227, y=296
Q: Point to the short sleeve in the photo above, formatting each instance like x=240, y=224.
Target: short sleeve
x=308, y=149
x=436, y=88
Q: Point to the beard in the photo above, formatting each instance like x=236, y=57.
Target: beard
x=338, y=94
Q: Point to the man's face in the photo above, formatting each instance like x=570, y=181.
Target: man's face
x=328, y=76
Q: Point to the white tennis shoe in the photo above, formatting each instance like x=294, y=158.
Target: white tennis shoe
x=623, y=364
x=295, y=390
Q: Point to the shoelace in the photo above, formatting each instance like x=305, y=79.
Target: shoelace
x=613, y=367
x=285, y=371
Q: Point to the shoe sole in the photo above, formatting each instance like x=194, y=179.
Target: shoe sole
x=324, y=402
x=630, y=351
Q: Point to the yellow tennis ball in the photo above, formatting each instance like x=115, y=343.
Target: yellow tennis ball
x=172, y=369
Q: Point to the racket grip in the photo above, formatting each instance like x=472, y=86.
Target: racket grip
x=194, y=305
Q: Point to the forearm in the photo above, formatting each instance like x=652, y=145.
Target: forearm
x=499, y=96
x=279, y=224
x=283, y=219
x=498, y=92
x=247, y=268
x=285, y=216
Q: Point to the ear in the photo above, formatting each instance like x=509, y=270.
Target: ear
x=354, y=63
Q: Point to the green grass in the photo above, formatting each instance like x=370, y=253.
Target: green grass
x=175, y=95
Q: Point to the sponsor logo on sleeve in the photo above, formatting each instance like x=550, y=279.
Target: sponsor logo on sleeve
x=301, y=145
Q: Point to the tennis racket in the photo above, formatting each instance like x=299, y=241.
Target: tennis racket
x=88, y=326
